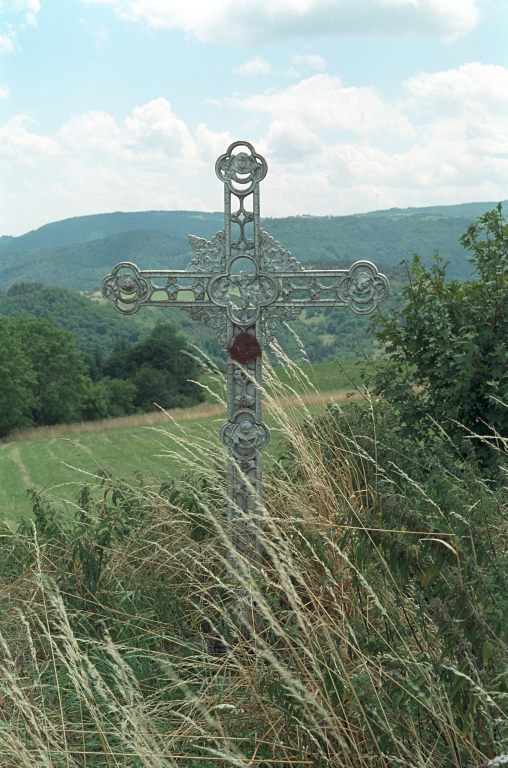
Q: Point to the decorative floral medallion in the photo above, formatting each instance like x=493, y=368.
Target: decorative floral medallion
x=241, y=172
x=128, y=290
x=244, y=437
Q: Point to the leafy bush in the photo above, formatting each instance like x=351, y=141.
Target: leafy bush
x=61, y=377
x=17, y=380
x=420, y=538
x=95, y=325
x=448, y=345
x=44, y=379
x=109, y=398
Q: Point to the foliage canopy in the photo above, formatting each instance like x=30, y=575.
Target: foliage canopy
x=159, y=369
x=448, y=344
x=45, y=379
x=17, y=379
x=61, y=384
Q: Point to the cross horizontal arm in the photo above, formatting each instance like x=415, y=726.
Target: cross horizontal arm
x=361, y=287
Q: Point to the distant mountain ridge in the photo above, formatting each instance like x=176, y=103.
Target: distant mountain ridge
x=84, y=229
x=76, y=253
x=81, y=266
x=461, y=210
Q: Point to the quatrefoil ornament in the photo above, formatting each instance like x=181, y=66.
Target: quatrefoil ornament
x=126, y=288
x=241, y=171
x=243, y=294
x=245, y=437
x=362, y=288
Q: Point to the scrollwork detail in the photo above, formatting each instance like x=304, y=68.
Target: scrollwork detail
x=210, y=254
x=271, y=318
x=215, y=317
x=276, y=258
x=242, y=398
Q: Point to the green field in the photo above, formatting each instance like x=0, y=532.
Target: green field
x=61, y=464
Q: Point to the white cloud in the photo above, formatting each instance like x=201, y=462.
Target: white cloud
x=28, y=10
x=335, y=150
x=471, y=89
x=330, y=149
x=5, y=91
x=239, y=22
x=31, y=8
x=256, y=66
x=8, y=42
x=21, y=6
x=322, y=102
x=95, y=164
x=19, y=143
x=311, y=60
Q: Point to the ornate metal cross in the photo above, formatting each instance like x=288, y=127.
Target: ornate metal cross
x=243, y=285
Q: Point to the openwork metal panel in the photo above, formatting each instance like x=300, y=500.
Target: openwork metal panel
x=243, y=283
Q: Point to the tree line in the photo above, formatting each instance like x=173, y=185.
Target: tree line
x=45, y=379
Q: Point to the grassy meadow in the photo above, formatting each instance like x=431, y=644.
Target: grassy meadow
x=373, y=635
x=60, y=460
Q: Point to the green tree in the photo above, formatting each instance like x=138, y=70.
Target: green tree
x=17, y=379
x=159, y=368
x=109, y=398
x=448, y=344
x=61, y=385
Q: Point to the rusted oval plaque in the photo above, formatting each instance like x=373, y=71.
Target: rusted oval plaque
x=244, y=348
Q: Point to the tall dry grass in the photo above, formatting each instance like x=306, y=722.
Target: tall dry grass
x=164, y=417
x=173, y=657
x=150, y=419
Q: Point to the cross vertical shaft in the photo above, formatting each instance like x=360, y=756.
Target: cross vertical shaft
x=244, y=433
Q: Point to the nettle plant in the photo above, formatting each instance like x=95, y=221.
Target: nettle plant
x=447, y=343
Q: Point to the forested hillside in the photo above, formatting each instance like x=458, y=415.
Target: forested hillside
x=109, y=349
x=76, y=253
x=81, y=266
x=381, y=239
x=84, y=229
x=94, y=324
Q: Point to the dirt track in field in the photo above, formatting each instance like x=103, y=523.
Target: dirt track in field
x=201, y=411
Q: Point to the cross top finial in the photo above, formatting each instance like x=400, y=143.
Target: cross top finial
x=241, y=171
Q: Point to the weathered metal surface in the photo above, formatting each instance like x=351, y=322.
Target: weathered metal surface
x=243, y=283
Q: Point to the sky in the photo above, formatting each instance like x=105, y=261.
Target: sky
x=357, y=105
